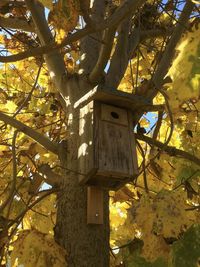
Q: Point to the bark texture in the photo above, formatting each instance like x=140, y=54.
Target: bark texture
x=86, y=245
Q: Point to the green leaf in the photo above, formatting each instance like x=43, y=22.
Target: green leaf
x=187, y=174
x=186, y=252
x=141, y=262
x=133, y=258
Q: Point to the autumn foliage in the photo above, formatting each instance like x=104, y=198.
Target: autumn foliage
x=155, y=219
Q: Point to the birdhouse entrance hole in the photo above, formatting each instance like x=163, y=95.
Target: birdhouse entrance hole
x=114, y=115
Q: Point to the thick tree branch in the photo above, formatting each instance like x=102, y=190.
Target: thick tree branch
x=51, y=177
x=128, y=7
x=124, y=51
x=158, y=125
x=41, y=139
x=168, y=55
x=90, y=45
x=16, y=24
x=121, y=56
x=54, y=59
x=4, y=2
x=169, y=52
x=96, y=74
x=172, y=151
x=85, y=6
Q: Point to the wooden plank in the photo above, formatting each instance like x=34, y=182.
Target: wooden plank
x=94, y=205
x=114, y=149
x=114, y=97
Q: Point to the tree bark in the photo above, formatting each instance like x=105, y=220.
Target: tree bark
x=86, y=245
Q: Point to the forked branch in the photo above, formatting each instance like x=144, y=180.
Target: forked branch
x=128, y=7
x=169, y=52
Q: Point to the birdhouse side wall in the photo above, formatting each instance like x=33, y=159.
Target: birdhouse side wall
x=86, y=151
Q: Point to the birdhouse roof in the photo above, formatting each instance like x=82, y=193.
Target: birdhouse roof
x=114, y=97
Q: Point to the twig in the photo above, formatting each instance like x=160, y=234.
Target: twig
x=193, y=208
x=19, y=218
x=188, y=178
x=28, y=98
x=144, y=168
x=172, y=151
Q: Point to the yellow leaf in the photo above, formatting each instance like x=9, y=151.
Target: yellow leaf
x=47, y=3
x=10, y=106
x=34, y=249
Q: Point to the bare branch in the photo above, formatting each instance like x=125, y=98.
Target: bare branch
x=96, y=74
x=54, y=59
x=90, y=45
x=85, y=6
x=143, y=167
x=30, y=206
x=158, y=125
x=41, y=139
x=128, y=7
x=28, y=98
x=121, y=56
x=172, y=151
x=51, y=177
x=124, y=51
x=17, y=24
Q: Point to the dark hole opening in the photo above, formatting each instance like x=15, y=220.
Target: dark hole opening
x=114, y=115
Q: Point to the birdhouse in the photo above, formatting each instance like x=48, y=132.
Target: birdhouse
x=107, y=150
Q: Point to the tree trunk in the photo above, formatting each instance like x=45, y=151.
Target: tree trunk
x=86, y=244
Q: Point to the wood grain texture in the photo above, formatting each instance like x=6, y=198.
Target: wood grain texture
x=113, y=97
x=94, y=205
x=107, y=151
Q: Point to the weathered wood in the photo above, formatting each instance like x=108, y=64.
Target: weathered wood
x=114, y=115
x=94, y=205
x=107, y=153
x=115, y=97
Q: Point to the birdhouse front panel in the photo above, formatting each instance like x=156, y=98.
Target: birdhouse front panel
x=107, y=154
x=114, y=142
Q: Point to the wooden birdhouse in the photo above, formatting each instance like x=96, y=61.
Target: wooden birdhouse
x=107, y=151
